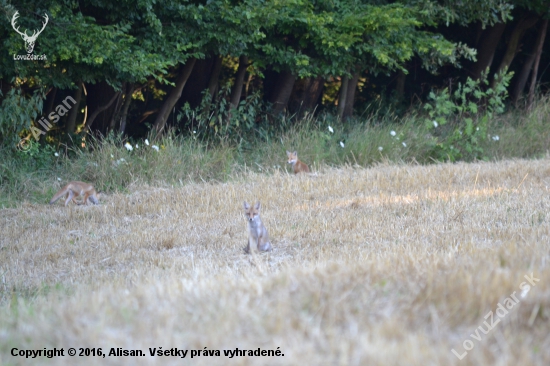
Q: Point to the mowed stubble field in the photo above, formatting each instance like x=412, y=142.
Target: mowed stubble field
x=392, y=265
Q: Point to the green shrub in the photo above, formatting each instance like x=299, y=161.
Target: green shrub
x=467, y=111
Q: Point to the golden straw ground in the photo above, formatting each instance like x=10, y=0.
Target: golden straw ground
x=391, y=265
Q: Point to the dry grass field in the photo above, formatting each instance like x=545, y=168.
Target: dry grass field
x=392, y=265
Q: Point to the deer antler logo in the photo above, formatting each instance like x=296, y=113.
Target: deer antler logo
x=29, y=40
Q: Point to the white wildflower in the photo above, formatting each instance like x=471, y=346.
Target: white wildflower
x=341, y=144
x=393, y=133
x=155, y=147
x=55, y=154
x=477, y=128
x=112, y=157
x=496, y=138
x=128, y=146
x=435, y=123
x=380, y=148
x=330, y=129
x=146, y=142
x=120, y=161
x=194, y=131
x=404, y=144
x=59, y=179
x=137, y=147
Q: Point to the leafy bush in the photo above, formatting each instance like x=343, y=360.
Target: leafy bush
x=16, y=113
x=467, y=111
x=36, y=156
x=216, y=120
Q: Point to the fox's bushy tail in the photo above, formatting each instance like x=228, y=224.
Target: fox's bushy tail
x=58, y=195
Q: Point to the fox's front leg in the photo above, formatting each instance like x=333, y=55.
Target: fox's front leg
x=247, y=248
x=253, y=244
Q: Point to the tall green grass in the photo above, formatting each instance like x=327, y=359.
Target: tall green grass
x=36, y=175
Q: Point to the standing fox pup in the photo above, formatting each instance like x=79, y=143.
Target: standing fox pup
x=297, y=165
x=258, y=239
x=75, y=189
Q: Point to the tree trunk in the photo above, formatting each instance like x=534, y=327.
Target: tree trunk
x=118, y=106
x=305, y=94
x=534, y=74
x=247, y=85
x=400, y=85
x=239, y=81
x=486, y=49
x=196, y=85
x=523, y=76
x=350, y=97
x=296, y=101
x=98, y=95
x=342, y=97
x=513, y=46
x=282, y=90
x=51, y=101
x=71, y=120
x=313, y=93
x=125, y=107
x=98, y=110
x=213, y=81
x=479, y=32
x=214, y=76
x=174, y=95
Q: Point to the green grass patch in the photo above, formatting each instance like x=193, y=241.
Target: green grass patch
x=172, y=159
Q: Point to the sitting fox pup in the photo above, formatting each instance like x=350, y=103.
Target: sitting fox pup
x=75, y=189
x=297, y=165
x=258, y=239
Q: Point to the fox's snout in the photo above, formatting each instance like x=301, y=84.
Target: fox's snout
x=292, y=157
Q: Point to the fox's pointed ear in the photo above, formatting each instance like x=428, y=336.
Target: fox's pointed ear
x=246, y=205
x=295, y=153
x=288, y=153
x=257, y=206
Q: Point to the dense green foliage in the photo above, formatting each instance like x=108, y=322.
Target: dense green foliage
x=238, y=73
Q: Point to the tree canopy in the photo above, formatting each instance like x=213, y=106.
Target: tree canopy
x=139, y=49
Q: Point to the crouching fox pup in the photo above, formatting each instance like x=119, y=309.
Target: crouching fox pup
x=258, y=239
x=297, y=165
x=75, y=189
